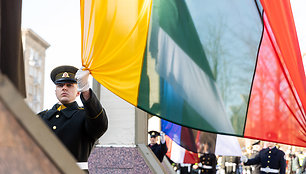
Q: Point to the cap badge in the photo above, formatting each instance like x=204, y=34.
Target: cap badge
x=65, y=74
x=153, y=133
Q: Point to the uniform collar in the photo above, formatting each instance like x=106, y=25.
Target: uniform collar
x=151, y=145
x=70, y=109
x=61, y=107
x=273, y=150
x=71, y=106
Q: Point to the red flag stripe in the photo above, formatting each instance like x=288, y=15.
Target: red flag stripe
x=178, y=154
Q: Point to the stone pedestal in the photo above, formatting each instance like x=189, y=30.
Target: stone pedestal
x=125, y=160
x=26, y=143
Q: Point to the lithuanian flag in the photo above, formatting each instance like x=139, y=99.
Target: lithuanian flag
x=226, y=67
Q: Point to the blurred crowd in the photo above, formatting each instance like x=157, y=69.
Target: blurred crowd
x=295, y=162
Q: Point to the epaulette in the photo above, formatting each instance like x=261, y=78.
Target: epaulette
x=81, y=108
x=43, y=112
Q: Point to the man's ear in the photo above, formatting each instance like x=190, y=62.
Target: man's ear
x=78, y=93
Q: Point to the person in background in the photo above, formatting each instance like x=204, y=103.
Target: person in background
x=208, y=161
x=161, y=149
x=78, y=128
x=256, y=147
x=304, y=166
x=230, y=164
x=295, y=165
x=247, y=153
x=301, y=157
x=271, y=159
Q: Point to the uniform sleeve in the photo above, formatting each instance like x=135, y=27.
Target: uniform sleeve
x=214, y=163
x=96, y=122
x=252, y=161
x=163, y=149
x=282, y=164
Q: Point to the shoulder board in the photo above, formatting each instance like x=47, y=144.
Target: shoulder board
x=81, y=108
x=42, y=112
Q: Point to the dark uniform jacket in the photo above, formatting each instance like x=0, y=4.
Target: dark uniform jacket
x=159, y=150
x=78, y=128
x=208, y=163
x=270, y=158
x=255, y=169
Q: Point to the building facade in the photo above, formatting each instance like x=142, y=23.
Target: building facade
x=34, y=53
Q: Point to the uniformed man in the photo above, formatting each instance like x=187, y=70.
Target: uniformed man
x=208, y=161
x=77, y=127
x=161, y=149
x=271, y=159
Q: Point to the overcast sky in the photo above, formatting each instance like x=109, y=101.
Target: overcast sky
x=58, y=23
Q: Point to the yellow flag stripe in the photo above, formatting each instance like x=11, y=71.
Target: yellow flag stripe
x=114, y=34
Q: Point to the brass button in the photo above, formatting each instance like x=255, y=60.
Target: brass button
x=57, y=116
x=269, y=156
x=269, y=151
x=54, y=127
x=268, y=166
x=268, y=161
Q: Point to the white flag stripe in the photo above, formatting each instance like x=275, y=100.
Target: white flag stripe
x=177, y=153
x=227, y=146
x=192, y=83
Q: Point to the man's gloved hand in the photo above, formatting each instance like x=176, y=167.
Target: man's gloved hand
x=162, y=138
x=244, y=159
x=195, y=166
x=82, y=79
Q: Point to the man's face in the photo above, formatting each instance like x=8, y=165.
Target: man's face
x=256, y=147
x=66, y=92
x=153, y=140
x=206, y=147
x=269, y=144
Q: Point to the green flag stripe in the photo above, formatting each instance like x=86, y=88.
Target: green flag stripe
x=175, y=19
x=188, y=82
x=185, y=85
